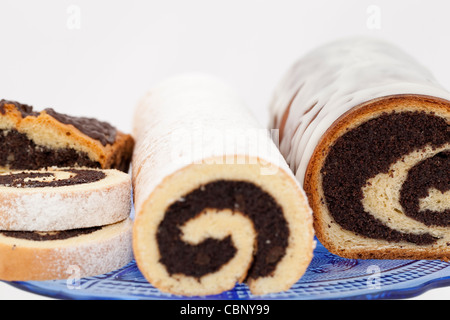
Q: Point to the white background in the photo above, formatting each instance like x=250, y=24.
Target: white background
x=98, y=58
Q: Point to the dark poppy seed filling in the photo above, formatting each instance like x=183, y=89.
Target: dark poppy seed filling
x=47, y=179
x=21, y=153
x=370, y=149
x=98, y=130
x=49, y=235
x=433, y=172
x=208, y=256
x=24, y=109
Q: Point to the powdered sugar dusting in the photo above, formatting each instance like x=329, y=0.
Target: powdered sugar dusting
x=96, y=253
x=188, y=119
x=63, y=208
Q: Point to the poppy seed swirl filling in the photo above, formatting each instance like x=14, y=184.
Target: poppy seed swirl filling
x=21, y=153
x=211, y=254
x=49, y=235
x=41, y=179
x=371, y=149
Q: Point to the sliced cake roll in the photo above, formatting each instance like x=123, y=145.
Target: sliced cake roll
x=64, y=223
x=216, y=204
x=62, y=199
x=69, y=254
x=365, y=128
x=32, y=140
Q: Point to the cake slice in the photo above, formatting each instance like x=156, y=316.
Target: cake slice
x=216, y=204
x=69, y=254
x=61, y=199
x=366, y=130
x=33, y=140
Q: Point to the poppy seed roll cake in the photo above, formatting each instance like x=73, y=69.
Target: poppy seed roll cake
x=365, y=128
x=32, y=140
x=63, y=198
x=67, y=254
x=61, y=223
x=215, y=201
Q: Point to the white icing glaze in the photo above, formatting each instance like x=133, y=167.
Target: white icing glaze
x=188, y=119
x=333, y=79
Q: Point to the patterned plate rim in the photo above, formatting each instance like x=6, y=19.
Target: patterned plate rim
x=401, y=292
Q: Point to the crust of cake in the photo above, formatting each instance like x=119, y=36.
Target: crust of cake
x=66, y=207
x=326, y=229
x=46, y=131
x=82, y=256
x=282, y=188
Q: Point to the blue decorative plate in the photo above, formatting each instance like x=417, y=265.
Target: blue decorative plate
x=328, y=277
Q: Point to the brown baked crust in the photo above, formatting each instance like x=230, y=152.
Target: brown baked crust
x=312, y=181
x=109, y=156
